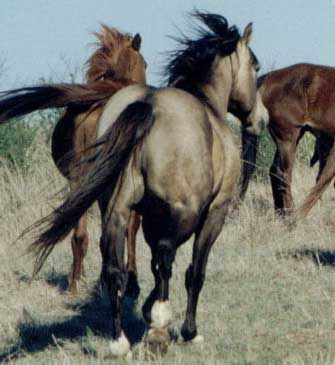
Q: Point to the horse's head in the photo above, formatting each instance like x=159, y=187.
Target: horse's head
x=117, y=57
x=258, y=119
x=246, y=101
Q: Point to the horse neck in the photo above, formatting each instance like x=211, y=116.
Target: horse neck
x=218, y=89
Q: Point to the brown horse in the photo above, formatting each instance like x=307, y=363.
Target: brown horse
x=115, y=64
x=167, y=154
x=299, y=98
x=116, y=58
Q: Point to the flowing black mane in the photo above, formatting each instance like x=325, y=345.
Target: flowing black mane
x=190, y=66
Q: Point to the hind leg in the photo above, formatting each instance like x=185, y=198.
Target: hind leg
x=206, y=235
x=79, y=244
x=164, y=234
x=133, y=288
x=114, y=273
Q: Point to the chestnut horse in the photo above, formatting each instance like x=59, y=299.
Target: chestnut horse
x=299, y=98
x=117, y=58
x=115, y=64
x=167, y=154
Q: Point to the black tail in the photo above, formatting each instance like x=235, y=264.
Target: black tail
x=19, y=102
x=249, y=156
x=117, y=146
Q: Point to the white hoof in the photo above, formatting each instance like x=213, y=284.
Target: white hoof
x=120, y=347
x=129, y=356
x=198, y=339
x=161, y=314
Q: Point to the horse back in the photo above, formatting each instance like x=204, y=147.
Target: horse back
x=300, y=94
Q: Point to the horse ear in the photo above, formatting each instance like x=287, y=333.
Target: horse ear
x=136, y=43
x=247, y=34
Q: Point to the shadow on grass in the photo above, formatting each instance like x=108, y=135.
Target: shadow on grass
x=318, y=256
x=92, y=318
x=59, y=281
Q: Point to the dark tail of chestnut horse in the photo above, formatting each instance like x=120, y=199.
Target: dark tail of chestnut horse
x=327, y=175
x=117, y=146
x=19, y=102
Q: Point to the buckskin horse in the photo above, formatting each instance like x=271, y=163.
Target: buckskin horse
x=116, y=63
x=168, y=154
x=299, y=98
x=76, y=130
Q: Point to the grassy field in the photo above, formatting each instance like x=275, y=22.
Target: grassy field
x=269, y=295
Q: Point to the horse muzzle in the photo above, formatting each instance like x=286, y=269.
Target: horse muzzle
x=256, y=128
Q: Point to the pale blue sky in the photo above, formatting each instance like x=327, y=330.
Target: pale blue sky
x=43, y=38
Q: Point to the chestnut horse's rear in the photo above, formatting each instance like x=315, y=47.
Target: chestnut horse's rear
x=116, y=63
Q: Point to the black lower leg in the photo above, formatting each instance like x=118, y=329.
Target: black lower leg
x=193, y=284
x=146, y=309
x=161, y=266
x=115, y=280
x=114, y=272
x=133, y=289
x=276, y=183
x=166, y=256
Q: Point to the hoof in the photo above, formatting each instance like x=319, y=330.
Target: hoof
x=198, y=339
x=161, y=314
x=120, y=347
x=75, y=286
x=157, y=340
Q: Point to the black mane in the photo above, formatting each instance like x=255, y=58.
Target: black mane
x=190, y=66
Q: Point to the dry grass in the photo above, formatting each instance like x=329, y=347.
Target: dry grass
x=269, y=296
